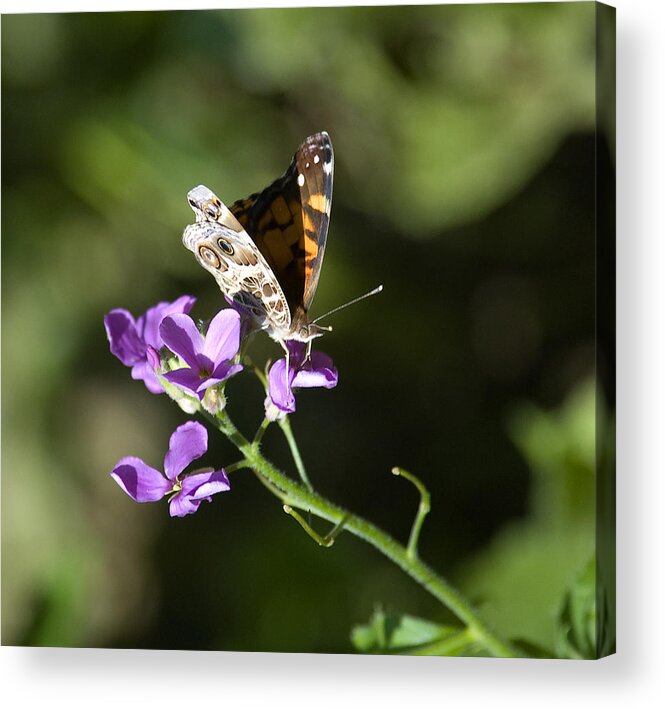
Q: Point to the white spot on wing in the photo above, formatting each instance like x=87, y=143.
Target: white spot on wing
x=301, y=179
x=316, y=159
x=327, y=167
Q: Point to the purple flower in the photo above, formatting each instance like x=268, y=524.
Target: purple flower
x=207, y=360
x=145, y=484
x=317, y=370
x=130, y=339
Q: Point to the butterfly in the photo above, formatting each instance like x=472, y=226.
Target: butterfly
x=266, y=251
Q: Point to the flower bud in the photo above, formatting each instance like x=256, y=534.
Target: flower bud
x=214, y=400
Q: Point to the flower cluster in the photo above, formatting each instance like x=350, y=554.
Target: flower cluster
x=164, y=346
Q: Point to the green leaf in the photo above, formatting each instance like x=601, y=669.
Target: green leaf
x=575, y=634
x=391, y=633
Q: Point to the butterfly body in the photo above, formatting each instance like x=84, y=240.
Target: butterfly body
x=266, y=251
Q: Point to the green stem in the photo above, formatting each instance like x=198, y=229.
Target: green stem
x=285, y=425
x=262, y=429
x=423, y=509
x=297, y=495
x=237, y=466
x=326, y=541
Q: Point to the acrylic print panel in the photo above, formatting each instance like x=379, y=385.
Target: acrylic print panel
x=172, y=479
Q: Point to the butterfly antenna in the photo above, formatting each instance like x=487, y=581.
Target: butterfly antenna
x=374, y=291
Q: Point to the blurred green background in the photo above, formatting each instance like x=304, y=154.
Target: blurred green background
x=464, y=146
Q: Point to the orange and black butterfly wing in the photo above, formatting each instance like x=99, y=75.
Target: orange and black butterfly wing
x=288, y=221
x=315, y=163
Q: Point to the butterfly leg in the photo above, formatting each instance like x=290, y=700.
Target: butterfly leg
x=286, y=371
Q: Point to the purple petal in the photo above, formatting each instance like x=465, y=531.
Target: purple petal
x=247, y=322
x=202, y=485
x=325, y=378
x=181, y=336
x=153, y=357
x=148, y=324
x=143, y=370
x=182, y=505
x=320, y=360
x=195, y=489
x=297, y=352
x=184, y=378
x=225, y=371
x=279, y=388
x=319, y=371
x=223, y=338
x=222, y=373
x=123, y=337
x=205, y=384
x=141, y=482
x=188, y=442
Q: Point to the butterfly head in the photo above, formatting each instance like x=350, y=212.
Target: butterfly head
x=303, y=329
